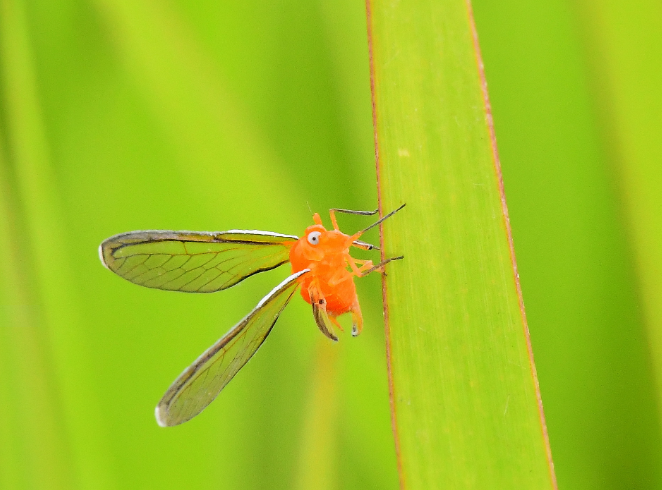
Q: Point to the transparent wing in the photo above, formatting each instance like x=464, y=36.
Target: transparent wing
x=193, y=262
x=203, y=380
x=319, y=312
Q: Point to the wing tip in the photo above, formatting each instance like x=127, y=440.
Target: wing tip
x=159, y=414
x=101, y=257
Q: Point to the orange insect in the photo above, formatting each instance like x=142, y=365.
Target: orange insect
x=204, y=262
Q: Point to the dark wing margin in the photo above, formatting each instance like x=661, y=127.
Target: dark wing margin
x=193, y=262
x=203, y=380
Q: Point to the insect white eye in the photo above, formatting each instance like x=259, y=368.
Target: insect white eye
x=314, y=237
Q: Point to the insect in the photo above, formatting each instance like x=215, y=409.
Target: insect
x=205, y=262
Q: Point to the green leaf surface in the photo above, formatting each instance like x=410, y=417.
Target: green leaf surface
x=466, y=405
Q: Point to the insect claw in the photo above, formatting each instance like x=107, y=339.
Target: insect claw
x=357, y=320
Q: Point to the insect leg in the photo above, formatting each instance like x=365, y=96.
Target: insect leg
x=365, y=267
x=364, y=245
x=334, y=222
x=380, y=267
x=333, y=211
x=350, y=211
x=380, y=220
x=335, y=321
x=355, y=268
x=357, y=319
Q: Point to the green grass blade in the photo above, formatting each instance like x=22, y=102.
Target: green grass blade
x=627, y=39
x=466, y=405
x=581, y=301
x=45, y=244
x=34, y=451
x=201, y=116
x=317, y=464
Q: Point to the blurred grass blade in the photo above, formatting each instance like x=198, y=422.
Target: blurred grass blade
x=590, y=347
x=33, y=448
x=201, y=115
x=466, y=406
x=26, y=143
x=317, y=466
x=626, y=48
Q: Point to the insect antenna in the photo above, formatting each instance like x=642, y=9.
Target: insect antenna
x=380, y=220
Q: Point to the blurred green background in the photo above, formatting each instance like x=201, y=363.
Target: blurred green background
x=118, y=115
